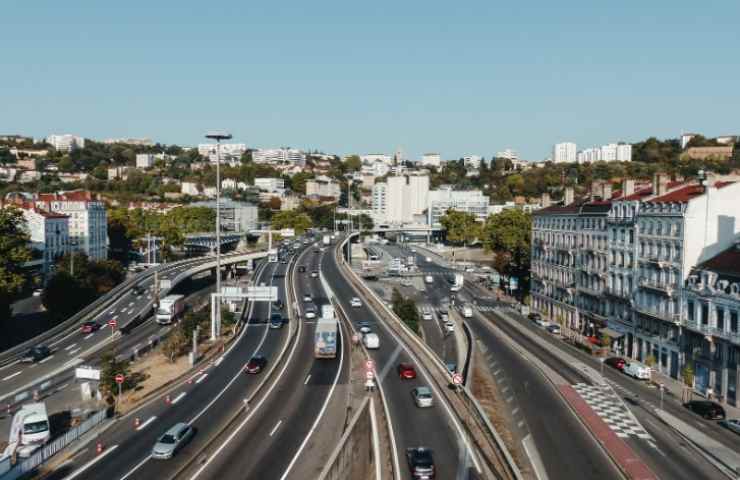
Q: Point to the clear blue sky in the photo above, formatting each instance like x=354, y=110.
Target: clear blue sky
x=452, y=77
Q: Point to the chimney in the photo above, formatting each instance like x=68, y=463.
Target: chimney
x=660, y=184
x=606, y=191
x=628, y=187
x=545, y=200
x=569, y=196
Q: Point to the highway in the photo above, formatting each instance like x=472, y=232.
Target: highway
x=207, y=403
x=664, y=451
x=297, y=414
x=412, y=426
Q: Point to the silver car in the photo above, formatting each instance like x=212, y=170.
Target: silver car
x=172, y=441
x=422, y=397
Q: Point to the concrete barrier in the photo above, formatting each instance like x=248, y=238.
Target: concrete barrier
x=354, y=457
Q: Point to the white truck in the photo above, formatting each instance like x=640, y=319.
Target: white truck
x=165, y=284
x=29, y=429
x=170, y=309
x=457, y=282
x=327, y=240
x=327, y=311
x=272, y=255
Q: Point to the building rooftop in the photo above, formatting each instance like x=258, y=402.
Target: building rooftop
x=686, y=193
x=725, y=263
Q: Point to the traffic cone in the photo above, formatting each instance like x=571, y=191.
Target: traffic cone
x=137, y=422
x=99, y=447
x=167, y=400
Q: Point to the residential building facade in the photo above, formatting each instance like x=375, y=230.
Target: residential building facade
x=65, y=143
x=323, y=187
x=431, y=160
x=564, y=152
x=145, y=160
x=445, y=198
x=88, y=221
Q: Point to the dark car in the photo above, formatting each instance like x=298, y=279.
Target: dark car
x=255, y=364
x=421, y=462
x=406, y=371
x=534, y=316
x=707, y=409
x=615, y=362
x=138, y=289
x=301, y=269
x=36, y=354
x=276, y=320
x=90, y=327
x=278, y=304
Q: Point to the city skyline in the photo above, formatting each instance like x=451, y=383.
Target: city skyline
x=477, y=79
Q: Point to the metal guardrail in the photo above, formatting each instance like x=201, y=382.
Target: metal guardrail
x=498, y=457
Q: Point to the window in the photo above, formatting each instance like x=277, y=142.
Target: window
x=733, y=321
x=720, y=319
x=704, y=314
x=690, y=310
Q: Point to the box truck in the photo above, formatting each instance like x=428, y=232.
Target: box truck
x=170, y=309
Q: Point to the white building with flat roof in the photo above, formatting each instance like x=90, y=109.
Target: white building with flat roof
x=468, y=201
x=377, y=157
x=472, y=161
x=279, y=155
x=564, y=152
x=400, y=198
x=323, y=187
x=88, y=221
x=431, y=160
x=145, y=160
x=65, y=143
x=49, y=234
x=229, y=151
x=269, y=184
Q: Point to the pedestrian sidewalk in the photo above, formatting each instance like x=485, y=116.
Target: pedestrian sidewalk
x=676, y=388
x=726, y=456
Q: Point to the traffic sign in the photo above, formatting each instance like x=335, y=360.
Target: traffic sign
x=369, y=375
x=262, y=293
x=112, y=323
x=457, y=379
x=369, y=364
x=120, y=378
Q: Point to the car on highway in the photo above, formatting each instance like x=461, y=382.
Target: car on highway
x=255, y=364
x=422, y=397
x=706, y=408
x=637, y=370
x=138, y=290
x=371, y=341
x=316, y=250
x=36, y=354
x=310, y=311
x=278, y=304
x=364, y=327
x=451, y=367
x=426, y=314
x=615, y=362
x=421, y=463
x=470, y=269
x=314, y=274
x=284, y=260
x=172, y=441
x=534, y=316
x=449, y=326
x=307, y=298
x=90, y=326
x=37, y=292
x=301, y=269
x=732, y=424
x=467, y=311
x=406, y=371
x=554, y=329
x=355, y=302
x=276, y=321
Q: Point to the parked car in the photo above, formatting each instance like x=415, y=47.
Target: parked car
x=615, y=362
x=406, y=371
x=422, y=397
x=554, y=329
x=534, y=316
x=172, y=441
x=637, y=370
x=36, y=354
x=355, y=302
x=707, y=409
x=276, y=320
x=90, y=326
x=37, y=292
x=255, y=364
x=732, y=424
x=421, y=462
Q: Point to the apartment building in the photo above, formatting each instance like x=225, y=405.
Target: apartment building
x=88, y=226
x=472, y=161
x=323, y=187
x=65, y=143
x=235, y=216
x=279, y=155
x=400, y=199
x=376, y=169
x=431, y=160
x=145, y=160
x=445, y=198
x=564, y=152
x=229, y=151
x=49, y=234
x=269, y=184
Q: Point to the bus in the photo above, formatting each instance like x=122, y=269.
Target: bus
x=325, y=344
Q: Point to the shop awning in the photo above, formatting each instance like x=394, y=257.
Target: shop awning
x=613, y=334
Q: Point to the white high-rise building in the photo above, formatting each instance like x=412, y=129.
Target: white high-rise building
x=88, y=226
x=564, y=152
x=468, y=201
x=589, y=155
x=431, y=160
x=229, y=151
x=279, y=155
x=508, y=154
x=49, y=234
x=269, y=184
x=400, y=199
x=65, y=143
x=624, y=152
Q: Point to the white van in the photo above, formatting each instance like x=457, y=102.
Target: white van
x=637, y=370
x=371, y=341
x=428, y=279
x=467, y=311
x=31, y=426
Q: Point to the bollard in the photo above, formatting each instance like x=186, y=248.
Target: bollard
x=99, y=447
x=137, y=422
x=167, y=400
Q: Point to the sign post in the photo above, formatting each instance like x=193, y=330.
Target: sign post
x=112, y=323
x=457, y=379
x=119, y=380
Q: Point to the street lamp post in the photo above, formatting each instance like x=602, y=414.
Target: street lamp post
x=218, y=136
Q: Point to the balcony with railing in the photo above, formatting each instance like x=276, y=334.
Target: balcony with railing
x=664, y=289
x=589, y=291
x=666, y=317
x=707, y=329
x=620, y=220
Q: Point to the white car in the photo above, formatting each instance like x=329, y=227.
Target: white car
x=427, y=315
x=37, y=292
x=422, y=397
x=307, y=298
x=470, y=269
x=364, y=329
x=449, y=326
x=355, y=302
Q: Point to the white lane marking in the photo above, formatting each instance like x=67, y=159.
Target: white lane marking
x=305, y=383
x=515, y=411
x=115, y=317
x=13, y=375
x=87, y=337
x=75, y=351
x=92, y=462
x=534, y=457
x=202, y=377
x=131, y=304
x=520, y=424
x=274, y=429
x=509, y=399
x=70, y=347
x=62, y=387
x=104, y=325
x=46, y=359
x=143, y=425
x=219, y=360
x=54, y=344
x=138, y=466
x=15, y=362
x=178, y=398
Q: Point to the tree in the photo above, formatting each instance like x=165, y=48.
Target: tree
x=174, y=345
x=14, y=252
x=406, y=310
x=64, y=296
x=461, y=227
x=300, y=222
x=298, y=182
x=353, y=163
x=111, y=368
x=508, y=234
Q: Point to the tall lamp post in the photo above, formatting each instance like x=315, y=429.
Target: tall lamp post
x=218, y=136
